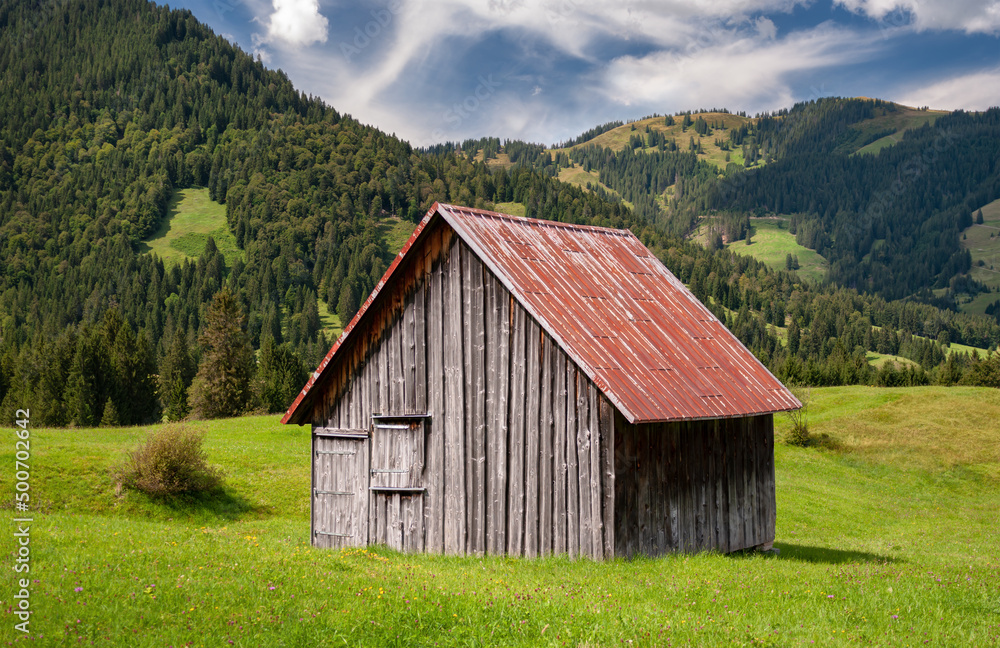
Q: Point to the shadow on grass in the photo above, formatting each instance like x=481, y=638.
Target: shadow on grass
x=806, y=553
x=220, y=504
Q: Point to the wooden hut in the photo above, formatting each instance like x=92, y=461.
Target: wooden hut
x=524, y=387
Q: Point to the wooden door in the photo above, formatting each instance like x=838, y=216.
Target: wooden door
x=340, y=488
x=397, y=467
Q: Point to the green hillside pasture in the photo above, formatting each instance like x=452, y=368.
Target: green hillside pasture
x=904, y=119
x=976, y=239
x=329, y=320
x=512, y=208
x=575, y=174
x=878, y=359
x=889, y=540
x=191, y=218
x=618, y=138
x=772, y=244
x=396, y=232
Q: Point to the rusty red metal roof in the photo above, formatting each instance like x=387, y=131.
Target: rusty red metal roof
x=638, y=333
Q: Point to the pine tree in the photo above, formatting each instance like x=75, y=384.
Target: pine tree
x=280, y=375
x=176, y=373
x=223, y=384
x=110, y=416
x=793, y=337
x=979, y=217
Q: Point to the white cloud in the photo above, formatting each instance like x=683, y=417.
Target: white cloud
x=295, y=23
x=970, y=16
x=974, y=91
x=750, y=70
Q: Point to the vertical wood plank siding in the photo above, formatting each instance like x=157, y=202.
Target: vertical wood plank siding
x=519, y=448
x=693, y=485
x=522, y=455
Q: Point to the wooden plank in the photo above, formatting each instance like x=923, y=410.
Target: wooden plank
x=772, y=503
x=413, y=518
x=397, y=371
x=622, y=479
x=583, y=442
x=597, y=528
x=658, y=490
x=497, y=385
x=739, y=456
x=409, y=357
x=546, y=484
x=394, y=525
x=631, y=524
x=474, y=326
x=718, y=508
x=750, y=479
x=478, y=364
x=380, y=519
x=697, y=441
x=532, y=441
x=383, y=374
x=641, y=462
x=732, y=512
x=572, y=474
x=559, y=466
x=674, y=481
x=454, y=420
x=516, y=409
x=420, y=349
x=434, y=475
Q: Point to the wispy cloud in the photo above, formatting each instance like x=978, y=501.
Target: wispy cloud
x=973, y=91
x=557, y=67
x=748, y=70
x=970, y=16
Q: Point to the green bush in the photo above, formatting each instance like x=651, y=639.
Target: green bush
x=170, y=462
x=798, y=434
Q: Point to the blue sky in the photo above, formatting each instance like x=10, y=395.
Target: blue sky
x=431, y=71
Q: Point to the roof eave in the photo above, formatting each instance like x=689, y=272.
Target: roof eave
x=297, y=413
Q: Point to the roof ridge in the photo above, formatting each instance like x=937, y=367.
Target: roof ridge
x=539, y=222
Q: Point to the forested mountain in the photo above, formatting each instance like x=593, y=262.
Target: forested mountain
x=889, y=222
x=112, y=105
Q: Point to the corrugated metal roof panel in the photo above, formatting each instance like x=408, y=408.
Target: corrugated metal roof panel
x=630, y=324
x=647, y=343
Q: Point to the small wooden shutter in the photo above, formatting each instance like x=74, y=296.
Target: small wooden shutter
x=397, y=462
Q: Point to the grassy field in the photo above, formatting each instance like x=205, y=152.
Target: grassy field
x=904, y=119
x=191, y=218
x=512, y=208
x=771, y=244
x=983, y=243
x=618, y=138
x=887, y=536
x=396, y=232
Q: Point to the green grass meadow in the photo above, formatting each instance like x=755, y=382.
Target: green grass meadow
x=191, y=218
x=983, y=243
x=887, y=534
x=902, y=120
x=771, y=243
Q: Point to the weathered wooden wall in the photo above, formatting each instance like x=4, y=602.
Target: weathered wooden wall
x=696, y=485
x=518, y=453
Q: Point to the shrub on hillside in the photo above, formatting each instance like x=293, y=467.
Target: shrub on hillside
x=170, y=462
x=798, y=435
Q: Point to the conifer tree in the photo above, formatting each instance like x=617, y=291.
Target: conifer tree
x=223, y=384
x=280, y=375
x=176, y=373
